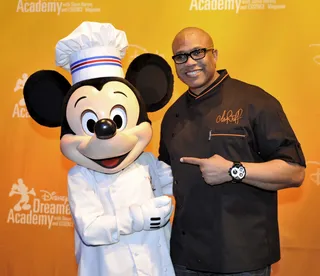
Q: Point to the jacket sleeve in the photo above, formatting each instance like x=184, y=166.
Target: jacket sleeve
x=93, y=225
x=275, y=136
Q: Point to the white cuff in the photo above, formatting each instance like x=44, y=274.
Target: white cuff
x=137, y=217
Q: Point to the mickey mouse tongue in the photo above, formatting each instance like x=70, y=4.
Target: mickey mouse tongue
x=110, y=163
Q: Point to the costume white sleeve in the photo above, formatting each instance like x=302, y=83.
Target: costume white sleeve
x=165, y=177
x=161, y=174
x=92, y=224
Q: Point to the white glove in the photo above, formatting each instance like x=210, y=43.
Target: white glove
x=153, y=214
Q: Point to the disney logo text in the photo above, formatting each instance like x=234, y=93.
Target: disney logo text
x=52, y=196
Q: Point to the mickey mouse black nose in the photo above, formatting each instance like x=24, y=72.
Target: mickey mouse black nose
x=105, y=129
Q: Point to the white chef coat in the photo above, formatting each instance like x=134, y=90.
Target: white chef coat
x=95, y=198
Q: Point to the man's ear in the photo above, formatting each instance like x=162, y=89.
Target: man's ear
x=215, y=55
x=153, y=78
x=44, y=93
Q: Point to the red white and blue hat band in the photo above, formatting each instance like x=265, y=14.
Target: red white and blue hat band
x=94, y=63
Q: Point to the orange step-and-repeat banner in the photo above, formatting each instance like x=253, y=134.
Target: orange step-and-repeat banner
x=274, y=44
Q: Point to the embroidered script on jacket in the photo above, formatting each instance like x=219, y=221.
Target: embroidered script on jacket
x=230, y=116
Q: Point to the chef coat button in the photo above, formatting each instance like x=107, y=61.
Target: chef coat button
x=183, y=233
x=159, y=245
x=165, y=269
x=177, y=115
x=175, y=182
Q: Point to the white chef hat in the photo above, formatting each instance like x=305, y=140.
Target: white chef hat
x=92, y=50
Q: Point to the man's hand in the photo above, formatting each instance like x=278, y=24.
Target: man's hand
x=214, y=169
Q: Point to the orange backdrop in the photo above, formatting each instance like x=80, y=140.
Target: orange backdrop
x=271, y=43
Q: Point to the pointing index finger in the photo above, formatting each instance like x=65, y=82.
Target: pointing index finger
x=191, y=160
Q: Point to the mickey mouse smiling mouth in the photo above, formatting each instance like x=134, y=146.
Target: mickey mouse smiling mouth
x=110, y=163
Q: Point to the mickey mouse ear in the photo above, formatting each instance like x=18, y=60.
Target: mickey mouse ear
x=44, y=93
x=153, y=78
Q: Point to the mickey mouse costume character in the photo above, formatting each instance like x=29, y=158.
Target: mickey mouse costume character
x=116, y=191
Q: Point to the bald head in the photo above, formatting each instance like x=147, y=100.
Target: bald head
x=198, y=67
x=191, y=32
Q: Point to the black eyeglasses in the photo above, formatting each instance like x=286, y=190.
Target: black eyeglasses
x=195, y=55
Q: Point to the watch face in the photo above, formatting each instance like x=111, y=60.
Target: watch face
x=238, y=172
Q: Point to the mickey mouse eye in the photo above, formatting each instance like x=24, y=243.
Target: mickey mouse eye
x=119, y=116
x=88, y=121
